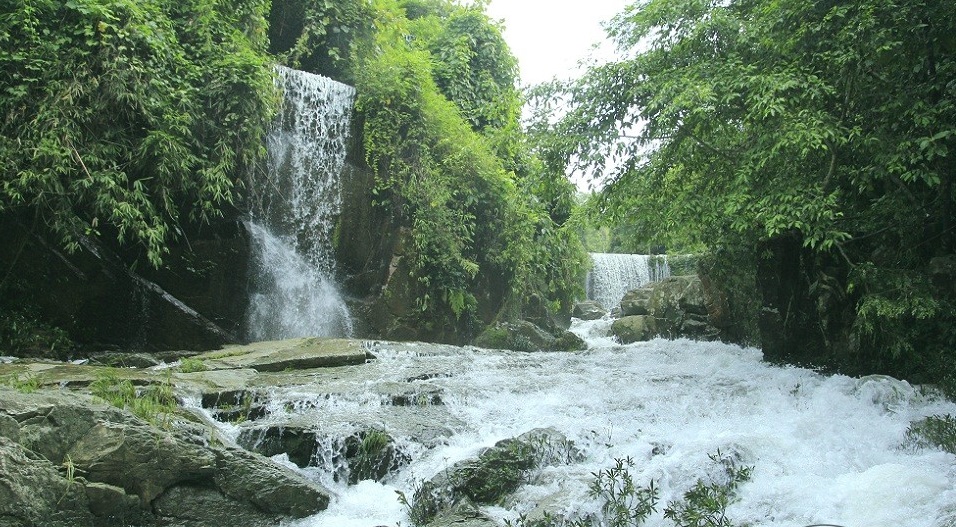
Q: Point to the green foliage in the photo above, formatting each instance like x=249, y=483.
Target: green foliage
x=25, y=384
x=320, y=36
x=437, y=95
x=705, y=504
x=750, y=121
x=625, y=504
x=152, y=403
x=936, y=431
x=22, y=333
x=192, y=365
x=124, y=119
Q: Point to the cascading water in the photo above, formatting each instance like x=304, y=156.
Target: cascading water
x=613, y=275
x=825, y=449
x=294, y=204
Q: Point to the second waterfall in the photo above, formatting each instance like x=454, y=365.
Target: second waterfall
x=294, y=203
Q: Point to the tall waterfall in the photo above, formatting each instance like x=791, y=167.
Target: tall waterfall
x=294, y=204
x=613, y=275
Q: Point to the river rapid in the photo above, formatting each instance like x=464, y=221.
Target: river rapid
x=824, y=448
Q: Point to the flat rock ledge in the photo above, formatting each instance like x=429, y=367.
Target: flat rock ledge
x=291, y=354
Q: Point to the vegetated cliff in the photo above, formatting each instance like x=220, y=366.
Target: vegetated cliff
x=450, y=222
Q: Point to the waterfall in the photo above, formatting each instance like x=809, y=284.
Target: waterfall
x=294, y=204
x=613, y=275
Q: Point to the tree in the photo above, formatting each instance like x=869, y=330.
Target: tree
x=125, y=119
x=829, y=126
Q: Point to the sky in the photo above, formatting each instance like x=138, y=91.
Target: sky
x=549, y=37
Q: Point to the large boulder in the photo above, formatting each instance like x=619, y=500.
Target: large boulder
x=675, y=307
x=636, y=328
x=526, y=336
x=637, y=301
x=448, y=498
x=131, y=468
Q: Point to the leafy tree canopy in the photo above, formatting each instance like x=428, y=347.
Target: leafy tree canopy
x=833, y=123
x=127, y=117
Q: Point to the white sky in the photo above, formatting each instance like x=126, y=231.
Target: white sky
x=549, y=37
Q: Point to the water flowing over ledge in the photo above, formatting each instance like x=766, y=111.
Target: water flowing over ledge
x=294, y=204
x=613, y=275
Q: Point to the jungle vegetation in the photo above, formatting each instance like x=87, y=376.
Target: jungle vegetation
x=808, y=144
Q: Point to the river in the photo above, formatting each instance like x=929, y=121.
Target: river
x=824, y=448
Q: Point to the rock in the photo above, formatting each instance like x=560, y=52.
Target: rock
x=496, y=472
x=112, y=504
x=588, y=310
x=697, y=329
x=670, y=301
x=525, y=336
x=101, y=303
x=636, y=328
x=9, y=428
x=128, y=466
x=33, y=492
x=636, y=301
x=249, y=478
x=140, y=459
x=295, y=354
x=198, y=506
x=462, y=515
x=299, y=444
x=518, y=336
x=568, y=342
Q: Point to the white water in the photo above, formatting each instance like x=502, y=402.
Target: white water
x=613, y=275
x=294, y=204
x=825, y=449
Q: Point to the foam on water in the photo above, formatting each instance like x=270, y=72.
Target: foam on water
x=825, y=449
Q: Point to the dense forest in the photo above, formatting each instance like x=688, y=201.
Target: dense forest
x=806, y=146
x=804, y=149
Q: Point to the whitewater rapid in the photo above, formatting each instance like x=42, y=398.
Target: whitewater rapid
x=825, y=449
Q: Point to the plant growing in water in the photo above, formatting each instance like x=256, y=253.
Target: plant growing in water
x=705, y=504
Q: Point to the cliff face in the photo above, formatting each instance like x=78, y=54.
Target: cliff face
x=98, y=297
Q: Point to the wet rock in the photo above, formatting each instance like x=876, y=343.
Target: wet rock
x=462, y=515
x=249, y=478
x=292, y=354
x=588, y=310
x=676, y=307
x=496, y=472
x=299, y=444
x=372, y=455
x=637, y=328
x=568, y=341
x=525, y=336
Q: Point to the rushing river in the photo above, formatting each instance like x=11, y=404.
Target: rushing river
x=825, y=449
